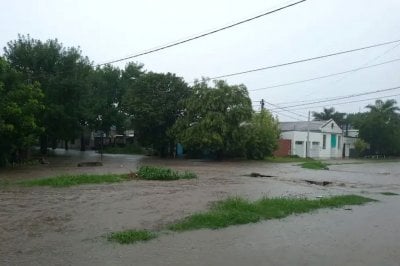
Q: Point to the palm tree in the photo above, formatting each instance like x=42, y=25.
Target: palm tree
x=330, y=113
x=387, y=108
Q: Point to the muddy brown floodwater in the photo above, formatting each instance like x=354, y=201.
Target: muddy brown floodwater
x=67, y=226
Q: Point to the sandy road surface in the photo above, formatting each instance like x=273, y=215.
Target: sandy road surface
x=66, y=226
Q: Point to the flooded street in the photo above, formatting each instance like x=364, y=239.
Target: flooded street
x=67, y=226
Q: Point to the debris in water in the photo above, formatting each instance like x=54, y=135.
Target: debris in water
x=90, y=164
x=319, y=183
x=259, y=175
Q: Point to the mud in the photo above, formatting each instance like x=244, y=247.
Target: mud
x=67, y=226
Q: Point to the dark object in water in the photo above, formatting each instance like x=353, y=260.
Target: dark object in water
x=90, y=164
x=319, y=183
x=260, y=175
x=43, y=160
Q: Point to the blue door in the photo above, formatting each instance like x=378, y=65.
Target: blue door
x=333, y=141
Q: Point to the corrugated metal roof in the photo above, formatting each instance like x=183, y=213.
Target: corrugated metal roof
x=302, y=125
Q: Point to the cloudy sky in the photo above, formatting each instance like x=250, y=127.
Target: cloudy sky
x=107, y=30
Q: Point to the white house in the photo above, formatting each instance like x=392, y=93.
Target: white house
x=325, y=139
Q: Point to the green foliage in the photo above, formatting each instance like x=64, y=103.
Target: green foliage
x=360, y=147
x=261, y=135
x=234, y=211
x=153, y=102
x=380, y=127
x=315, y=165
x=73, y=180
x=20, y=105
x=131, y=236
x=160, y=173
x=288, y=159
x=62, y=74
x=213, y=119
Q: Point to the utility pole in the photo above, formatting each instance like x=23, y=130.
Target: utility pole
x=262, y=102
x=308, y=137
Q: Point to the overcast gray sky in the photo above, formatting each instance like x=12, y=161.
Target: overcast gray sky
x=107, y=30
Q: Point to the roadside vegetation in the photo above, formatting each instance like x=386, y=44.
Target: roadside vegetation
x=73, y=180
x=237, y=211
x=288, y=159
x=144, y=172
x=131, y=236
x=160, y=173
x=315, y=165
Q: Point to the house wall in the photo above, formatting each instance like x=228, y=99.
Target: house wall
x=299, y=140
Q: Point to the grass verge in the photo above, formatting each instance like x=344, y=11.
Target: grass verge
x=235, y=211
x=160, y=173
x=315, y=165
x=72, y=180
x=389, y=194
x=288, y=159
x=131, y=236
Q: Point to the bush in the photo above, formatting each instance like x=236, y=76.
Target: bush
x=360, y=147
x=160, y=173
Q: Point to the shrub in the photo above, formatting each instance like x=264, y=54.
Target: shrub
x=160, y=173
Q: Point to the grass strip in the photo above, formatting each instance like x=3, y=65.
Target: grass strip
x=315, y=165
x=131, y=236
x=236, y=211
x=72, y=180
x=161, y=173
x=288, y=159
x=389, y=194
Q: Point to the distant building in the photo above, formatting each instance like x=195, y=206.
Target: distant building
x=326, y=139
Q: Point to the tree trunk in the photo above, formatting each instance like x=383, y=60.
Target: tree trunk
x=43, y=144
x=83, y=146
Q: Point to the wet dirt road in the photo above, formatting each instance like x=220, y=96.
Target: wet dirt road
x=66, y=226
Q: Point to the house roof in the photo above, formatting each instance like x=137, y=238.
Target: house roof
x=302, y=125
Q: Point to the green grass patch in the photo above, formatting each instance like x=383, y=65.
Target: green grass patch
x=73, y=180
x=160, y=173
x=315, y=165
x=128, y=149
x=236, y=211
x=389, y=194
x=288, y=159
x=131, y=236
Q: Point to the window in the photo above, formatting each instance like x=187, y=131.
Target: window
x=324, y=142
x=299, y=143
x=339, y=144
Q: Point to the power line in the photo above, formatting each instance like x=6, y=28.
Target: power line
x=204, y=34
x=302, y=60
x=284, y=109
x=325, y=76
x=355, y=101
x=288, y=116
x=345, y=97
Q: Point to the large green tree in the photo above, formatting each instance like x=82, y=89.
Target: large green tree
x=153, y=102
x=214, y=119
x=62, y=73
x=380, y=127
x=20, y=105
x=261, y=135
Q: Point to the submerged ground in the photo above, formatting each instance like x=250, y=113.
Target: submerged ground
x=67, y=226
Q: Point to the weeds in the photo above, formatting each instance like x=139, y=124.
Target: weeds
x=131, y=236
x=236, y=211
x=72, y=180
x=160, y=173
